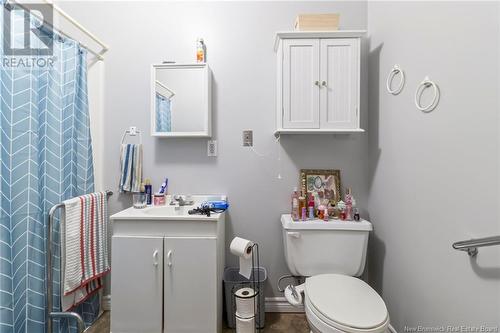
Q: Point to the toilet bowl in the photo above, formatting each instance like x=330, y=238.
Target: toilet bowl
x=331, y=255
x=336, y=303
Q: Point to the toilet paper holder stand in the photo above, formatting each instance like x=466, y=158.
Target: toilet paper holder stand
x=247, y=298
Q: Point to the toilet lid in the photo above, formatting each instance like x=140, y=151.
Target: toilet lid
x=346, y=300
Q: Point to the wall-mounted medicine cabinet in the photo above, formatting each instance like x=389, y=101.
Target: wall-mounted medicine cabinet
x=318, y=82
x=181, y=103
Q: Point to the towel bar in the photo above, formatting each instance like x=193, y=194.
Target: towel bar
x=471, y=245
x=49, y=314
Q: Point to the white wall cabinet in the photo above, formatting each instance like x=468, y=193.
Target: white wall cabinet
x=166, y=272
x=318, y=82
x=181, y=100
x=300, y=95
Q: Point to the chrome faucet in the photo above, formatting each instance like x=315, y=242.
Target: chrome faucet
x=179, y=199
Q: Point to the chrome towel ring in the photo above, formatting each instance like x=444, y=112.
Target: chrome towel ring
x=395, y=71
x=427, y=83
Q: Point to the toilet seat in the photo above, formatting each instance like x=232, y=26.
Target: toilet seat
x=345, y=303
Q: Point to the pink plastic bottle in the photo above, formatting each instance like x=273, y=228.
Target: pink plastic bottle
x=348, y=205
x=295, y=204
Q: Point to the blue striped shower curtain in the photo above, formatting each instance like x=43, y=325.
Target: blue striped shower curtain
x=163, y=113
x=46, y=157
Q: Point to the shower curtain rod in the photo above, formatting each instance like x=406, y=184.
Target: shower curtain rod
x=104, y=46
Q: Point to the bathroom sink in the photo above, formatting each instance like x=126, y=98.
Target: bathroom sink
x=168, y=210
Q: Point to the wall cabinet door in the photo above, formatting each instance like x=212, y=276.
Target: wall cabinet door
x=190, y=292
x=136, y=282
x=300, y=99
x=339, y=76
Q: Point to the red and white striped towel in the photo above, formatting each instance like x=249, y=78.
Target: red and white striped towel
x=84, y=247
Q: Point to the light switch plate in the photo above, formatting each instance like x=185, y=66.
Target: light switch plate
x=247, y=138
x=212, y=148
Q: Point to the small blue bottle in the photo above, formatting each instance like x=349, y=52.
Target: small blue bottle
x=148, y=189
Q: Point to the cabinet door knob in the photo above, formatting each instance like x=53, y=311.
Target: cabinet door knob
x=155, y=258
x=169, y=258
x=323, y=83
x=316, y=83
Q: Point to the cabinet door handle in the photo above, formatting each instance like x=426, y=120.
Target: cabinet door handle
x=323, y=83
x=155, y=258
x=169, y=258
x=316, y=83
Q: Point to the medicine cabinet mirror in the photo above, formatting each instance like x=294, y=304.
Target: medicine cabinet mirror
x=181, y=100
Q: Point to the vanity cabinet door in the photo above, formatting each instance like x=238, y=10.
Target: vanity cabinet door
x=339, y=79
x=136, y=282
x=190, y=285
x=300, y=99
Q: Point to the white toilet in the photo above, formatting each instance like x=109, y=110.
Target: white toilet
x=331, y=255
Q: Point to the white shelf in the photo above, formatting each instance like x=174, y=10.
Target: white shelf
x=317, y=131
x=317, y=34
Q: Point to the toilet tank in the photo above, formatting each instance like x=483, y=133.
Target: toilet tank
x=317, y=247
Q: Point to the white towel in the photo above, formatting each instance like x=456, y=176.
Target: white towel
x=84, y=247
x=130, y=167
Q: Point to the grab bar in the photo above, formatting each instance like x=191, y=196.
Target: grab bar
x=471, y=245
x=49, y=314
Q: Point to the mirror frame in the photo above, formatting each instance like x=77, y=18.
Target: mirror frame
x=207, y=132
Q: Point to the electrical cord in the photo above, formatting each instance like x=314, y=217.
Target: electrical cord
x=204, y=211
x=277, y=140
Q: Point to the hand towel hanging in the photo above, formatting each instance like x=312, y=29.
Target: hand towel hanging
x=84, y=247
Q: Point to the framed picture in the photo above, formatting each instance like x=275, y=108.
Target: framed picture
x=322, y=184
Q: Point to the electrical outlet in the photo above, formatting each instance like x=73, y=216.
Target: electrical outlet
x=247, y=138
x=212, y=148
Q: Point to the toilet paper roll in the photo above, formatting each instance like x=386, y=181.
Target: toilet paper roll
x=243, y=249
x=245, y=302
x=245, y=325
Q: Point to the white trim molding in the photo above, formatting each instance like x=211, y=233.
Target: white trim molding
x=106, y=303
x=280, y=304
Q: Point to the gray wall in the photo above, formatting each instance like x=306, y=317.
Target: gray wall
x=430, y=180
x=433, y=178
x=239, y=38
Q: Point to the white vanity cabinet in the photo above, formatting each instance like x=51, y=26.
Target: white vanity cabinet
x=136, y=282
x=166, y=271
x=318, y=82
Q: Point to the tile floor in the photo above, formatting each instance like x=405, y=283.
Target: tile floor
x=275, y=323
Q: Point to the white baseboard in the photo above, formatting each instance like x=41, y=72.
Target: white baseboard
x=280, y=304
x=106, y=302
x=273, y=304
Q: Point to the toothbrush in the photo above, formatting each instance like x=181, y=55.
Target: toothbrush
x=163, y=187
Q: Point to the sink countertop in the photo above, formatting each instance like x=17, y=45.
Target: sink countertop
x=168, y=212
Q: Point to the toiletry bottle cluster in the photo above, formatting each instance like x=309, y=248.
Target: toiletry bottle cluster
x=305, y=206
x=146, y=197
